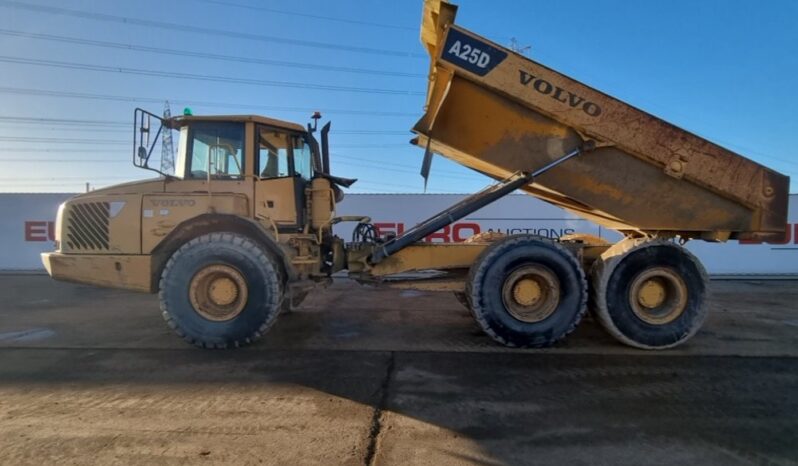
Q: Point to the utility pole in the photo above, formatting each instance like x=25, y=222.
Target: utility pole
x=518, y=48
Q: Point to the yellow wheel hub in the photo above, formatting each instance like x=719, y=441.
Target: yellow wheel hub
x=651, y=294
x=527, y=292
x=658, y=295
x=223, y=291
x=218, y=292
x=531, y=293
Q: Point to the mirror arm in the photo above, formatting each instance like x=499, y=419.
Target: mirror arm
x=139, y=116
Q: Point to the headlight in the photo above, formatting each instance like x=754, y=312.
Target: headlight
x=58, y=219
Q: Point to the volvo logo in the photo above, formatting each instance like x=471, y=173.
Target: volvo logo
x=559, y=94
x=173, y=202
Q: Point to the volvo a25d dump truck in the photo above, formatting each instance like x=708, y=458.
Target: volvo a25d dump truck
x=245, y=227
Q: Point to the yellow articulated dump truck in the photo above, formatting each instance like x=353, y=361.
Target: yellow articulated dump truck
x=244, y=228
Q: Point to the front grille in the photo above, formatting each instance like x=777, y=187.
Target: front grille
x=87, y=226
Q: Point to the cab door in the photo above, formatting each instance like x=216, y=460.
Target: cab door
x=281, y=178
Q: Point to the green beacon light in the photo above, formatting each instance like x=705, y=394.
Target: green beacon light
x=187, y=112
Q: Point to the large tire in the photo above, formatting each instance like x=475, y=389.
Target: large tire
x=669, y=313
x=482, y=237
x=527, y=292
x=221, y=290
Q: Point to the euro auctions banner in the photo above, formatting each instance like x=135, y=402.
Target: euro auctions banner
x=27, y=228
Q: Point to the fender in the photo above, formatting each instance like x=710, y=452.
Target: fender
x=213, y=223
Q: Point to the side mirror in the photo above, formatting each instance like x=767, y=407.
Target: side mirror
x=142, y=131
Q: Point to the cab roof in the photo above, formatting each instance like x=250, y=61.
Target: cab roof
x=185, y=119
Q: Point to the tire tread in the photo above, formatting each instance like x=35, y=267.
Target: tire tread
x=473, y=288
x=602, y=271
x=247, y=247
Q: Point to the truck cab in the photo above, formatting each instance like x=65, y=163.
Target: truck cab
x=254, y=175
x=273, y=161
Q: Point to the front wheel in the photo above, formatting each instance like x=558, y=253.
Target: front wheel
x=220, y=290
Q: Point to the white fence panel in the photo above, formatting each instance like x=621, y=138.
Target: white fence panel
x=27, y=227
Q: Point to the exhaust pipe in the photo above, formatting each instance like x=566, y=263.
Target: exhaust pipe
x=325, y=148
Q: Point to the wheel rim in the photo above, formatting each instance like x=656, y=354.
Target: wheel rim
x=218, y=292
x=658, y=296
x=531, y=293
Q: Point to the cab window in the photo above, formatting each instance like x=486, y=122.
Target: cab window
x=216, y=148
x=302, y=161
x=273, y=154
x=282, y=154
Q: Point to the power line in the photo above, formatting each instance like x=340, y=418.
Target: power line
x=400, y=170
x=383, y=164
x=367, y=132
x=202, y=30
x=62, y=161
x=9, y=119
x=64, y=121
x=380, y=184
x=104, y=141
x=200, y=77
x=307, y=15
x=75, y=127
x=82, y=177
x=60, y=140
x=212, y=56
x=38, y=129
x=37, y=150
x=118, y=98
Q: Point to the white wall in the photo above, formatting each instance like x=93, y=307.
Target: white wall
x=26, y=226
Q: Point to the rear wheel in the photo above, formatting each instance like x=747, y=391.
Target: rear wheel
x=482, y=237
x=527, y=292
x=220, y=290
x=649, y=294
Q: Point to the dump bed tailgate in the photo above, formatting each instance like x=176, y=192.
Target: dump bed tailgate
x=497, y=112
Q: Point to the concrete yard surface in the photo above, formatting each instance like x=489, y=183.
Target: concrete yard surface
x=361, y=375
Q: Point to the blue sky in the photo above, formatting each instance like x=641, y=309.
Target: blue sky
x=725, y=70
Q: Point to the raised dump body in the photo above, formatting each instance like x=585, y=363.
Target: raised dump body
x=498, y=112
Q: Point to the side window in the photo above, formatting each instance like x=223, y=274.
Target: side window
x=302, y=162
x=216, y=149
x=273, y=154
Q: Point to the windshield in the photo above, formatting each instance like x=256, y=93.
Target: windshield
x=180, y=161
x=214, y=149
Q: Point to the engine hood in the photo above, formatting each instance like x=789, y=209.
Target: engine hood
x=153, y=185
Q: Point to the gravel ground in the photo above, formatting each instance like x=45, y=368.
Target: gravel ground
x=378, y=376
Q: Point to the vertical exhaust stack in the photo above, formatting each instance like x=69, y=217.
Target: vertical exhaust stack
x=325, y=148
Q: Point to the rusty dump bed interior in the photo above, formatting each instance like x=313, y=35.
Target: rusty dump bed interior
x=498, y=112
